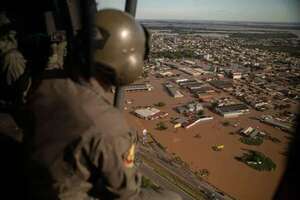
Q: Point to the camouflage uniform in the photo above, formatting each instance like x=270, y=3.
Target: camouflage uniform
x=80, y=144
x=14, y=78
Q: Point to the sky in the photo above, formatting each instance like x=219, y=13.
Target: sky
x=227, y=10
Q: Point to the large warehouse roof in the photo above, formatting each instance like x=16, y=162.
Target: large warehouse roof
x=147, y=112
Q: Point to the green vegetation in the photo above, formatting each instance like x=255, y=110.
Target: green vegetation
x=202, y=173
x=185, y=53
x=214, y=105
x=160, y=104
x=147, y=183
x=178, y=160
x=257, y=161
x=292, y=50
x=252, y=140
x=200, y=113
x=161, y=126
x=284, y=35
x=226, y=123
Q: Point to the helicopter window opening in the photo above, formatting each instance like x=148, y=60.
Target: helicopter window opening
x=229, y=55
x=111, y=4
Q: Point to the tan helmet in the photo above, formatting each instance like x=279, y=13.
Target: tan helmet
x=120, y=46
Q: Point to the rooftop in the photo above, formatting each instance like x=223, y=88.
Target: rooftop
x=147, y=112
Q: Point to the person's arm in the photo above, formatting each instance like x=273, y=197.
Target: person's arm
x=106, y=158
x=107, y=162
x=115, y=175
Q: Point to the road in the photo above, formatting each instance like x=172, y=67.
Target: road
x=150, y=173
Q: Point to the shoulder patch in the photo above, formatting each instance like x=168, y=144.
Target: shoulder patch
x=129, y=157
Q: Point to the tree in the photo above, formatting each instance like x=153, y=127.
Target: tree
x=202, y=173
x=252, y=141
x=257, y=161
x=161, y=126
x=160, y=104
x=200, y=113
x=214, y=104
x=226, y=123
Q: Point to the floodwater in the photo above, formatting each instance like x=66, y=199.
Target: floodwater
x=226, y=173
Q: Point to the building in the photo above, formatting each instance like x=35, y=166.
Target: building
x=251, y=132
x=138, y=87
x=193, y=121
x=207, y=57
x=232, y=110
x=150, y=113
x=192, y=107
x=203, y=89
x=260, y=106
x=221, y=84
x=186, y=122
x=235, y=75
x=189, y=62
x=179, y=121
x=201, y=71
x=220, y=76
x=204, y=97
x=267, y=119
x=190, y=71
x=167, y=74
x=194, y=86
x=181, y=80
x=187, y=83
x=173, y=91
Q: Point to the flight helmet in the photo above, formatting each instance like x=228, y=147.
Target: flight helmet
x=121, y=46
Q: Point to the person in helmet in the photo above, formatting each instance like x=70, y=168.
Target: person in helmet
x=79, y=146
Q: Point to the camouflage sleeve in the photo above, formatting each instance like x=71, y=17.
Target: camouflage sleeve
x=107, y=163
x=116, y=176
x=120, y=179
x=13, y=64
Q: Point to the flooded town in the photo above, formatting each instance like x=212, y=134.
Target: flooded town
x=211, y=98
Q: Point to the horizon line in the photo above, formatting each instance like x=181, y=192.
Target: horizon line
x=216, y=20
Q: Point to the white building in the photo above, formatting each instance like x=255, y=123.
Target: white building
x=174, y=92
x=150, y=113
x=138, y=87
x=181, y=80
x=207, y=57
x=236, y=75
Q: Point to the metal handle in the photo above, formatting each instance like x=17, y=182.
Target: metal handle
x=130, y=7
